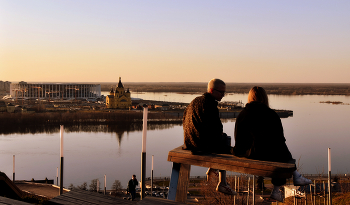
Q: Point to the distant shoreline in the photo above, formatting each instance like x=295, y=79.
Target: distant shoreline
x=241, y=88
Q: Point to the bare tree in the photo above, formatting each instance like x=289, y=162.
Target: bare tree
x=71, y=187
x=117, y=186
x=93, y=185
x=83, y=186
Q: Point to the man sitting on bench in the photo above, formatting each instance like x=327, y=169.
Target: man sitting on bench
x=203, y=130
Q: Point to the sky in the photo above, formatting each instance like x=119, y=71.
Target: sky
x=289, y=41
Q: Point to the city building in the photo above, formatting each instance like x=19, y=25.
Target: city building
x=4, y=87
x=54, y=90
x=119, y=98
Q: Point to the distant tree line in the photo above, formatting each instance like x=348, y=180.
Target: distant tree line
x=271, y=88
x=95, y=186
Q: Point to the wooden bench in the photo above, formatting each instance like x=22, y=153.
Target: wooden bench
x=183, y=159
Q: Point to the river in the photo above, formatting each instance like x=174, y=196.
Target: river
x=92, y=152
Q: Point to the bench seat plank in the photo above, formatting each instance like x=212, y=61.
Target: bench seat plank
x=232, y=163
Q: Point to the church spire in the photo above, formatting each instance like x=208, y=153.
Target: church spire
x=120, y=85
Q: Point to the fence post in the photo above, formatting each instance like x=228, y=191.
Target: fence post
x=329, y=177
x=13, y=178
x=61, y=153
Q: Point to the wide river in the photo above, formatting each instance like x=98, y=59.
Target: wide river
x=91, y=154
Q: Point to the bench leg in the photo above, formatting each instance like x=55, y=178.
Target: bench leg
x=179, y=182
x=173, y=181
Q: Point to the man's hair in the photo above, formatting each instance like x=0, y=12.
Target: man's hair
x=134, y=175
x=258, y=94
x=214, y=83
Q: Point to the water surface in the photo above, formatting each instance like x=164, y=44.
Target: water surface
x=90, y=153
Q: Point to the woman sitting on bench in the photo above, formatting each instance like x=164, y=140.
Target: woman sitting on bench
x=259, y=135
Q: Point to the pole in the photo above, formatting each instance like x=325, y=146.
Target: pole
x=238, y=185
x=98, y=186
x=152, y=176
x=234, y=197
x=13, y=169
x=329, y=177
x=324, y=193
x=143, y=154
x=57, y=177
x=61, y=151
x=311, y=194
x=143, y=174
x=315, y=192
x=235, y=182
x=104, y=191
x=253, y=189
x=294, y=192
x=248, y=191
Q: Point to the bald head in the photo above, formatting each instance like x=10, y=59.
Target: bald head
x=214, y=84
x=217, y=88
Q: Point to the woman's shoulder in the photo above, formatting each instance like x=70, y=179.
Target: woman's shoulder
x=258, y=110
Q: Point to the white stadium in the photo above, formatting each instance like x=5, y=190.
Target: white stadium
x=55, y=90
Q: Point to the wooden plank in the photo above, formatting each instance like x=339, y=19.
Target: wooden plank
x=182, y=185
x=157, y=201
x=233, y=163
x=4, y=200
x=89, y=197
x=86, y=197
x=61, y=200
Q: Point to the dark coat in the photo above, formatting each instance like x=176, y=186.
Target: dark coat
x=202, y=126
x=132, y=185
x=259, y=134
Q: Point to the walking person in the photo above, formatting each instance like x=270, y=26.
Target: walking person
x=131, y=188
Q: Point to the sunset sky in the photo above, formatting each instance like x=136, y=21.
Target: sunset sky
x=175, y=41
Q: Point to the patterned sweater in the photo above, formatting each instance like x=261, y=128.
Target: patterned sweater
x=202, y=126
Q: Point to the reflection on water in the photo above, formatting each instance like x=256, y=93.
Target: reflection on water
x=119, y=128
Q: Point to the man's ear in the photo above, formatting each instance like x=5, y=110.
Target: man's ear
x=210, y=90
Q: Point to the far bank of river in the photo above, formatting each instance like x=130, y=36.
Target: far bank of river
x=13, y=122
x=240, y=88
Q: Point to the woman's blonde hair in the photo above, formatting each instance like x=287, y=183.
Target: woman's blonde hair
x=258, y=94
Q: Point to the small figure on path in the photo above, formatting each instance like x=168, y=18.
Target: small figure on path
x=259, y=135
x=131, y=188
x=203, y=130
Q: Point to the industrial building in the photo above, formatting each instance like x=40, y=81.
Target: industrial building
x=55, y=90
